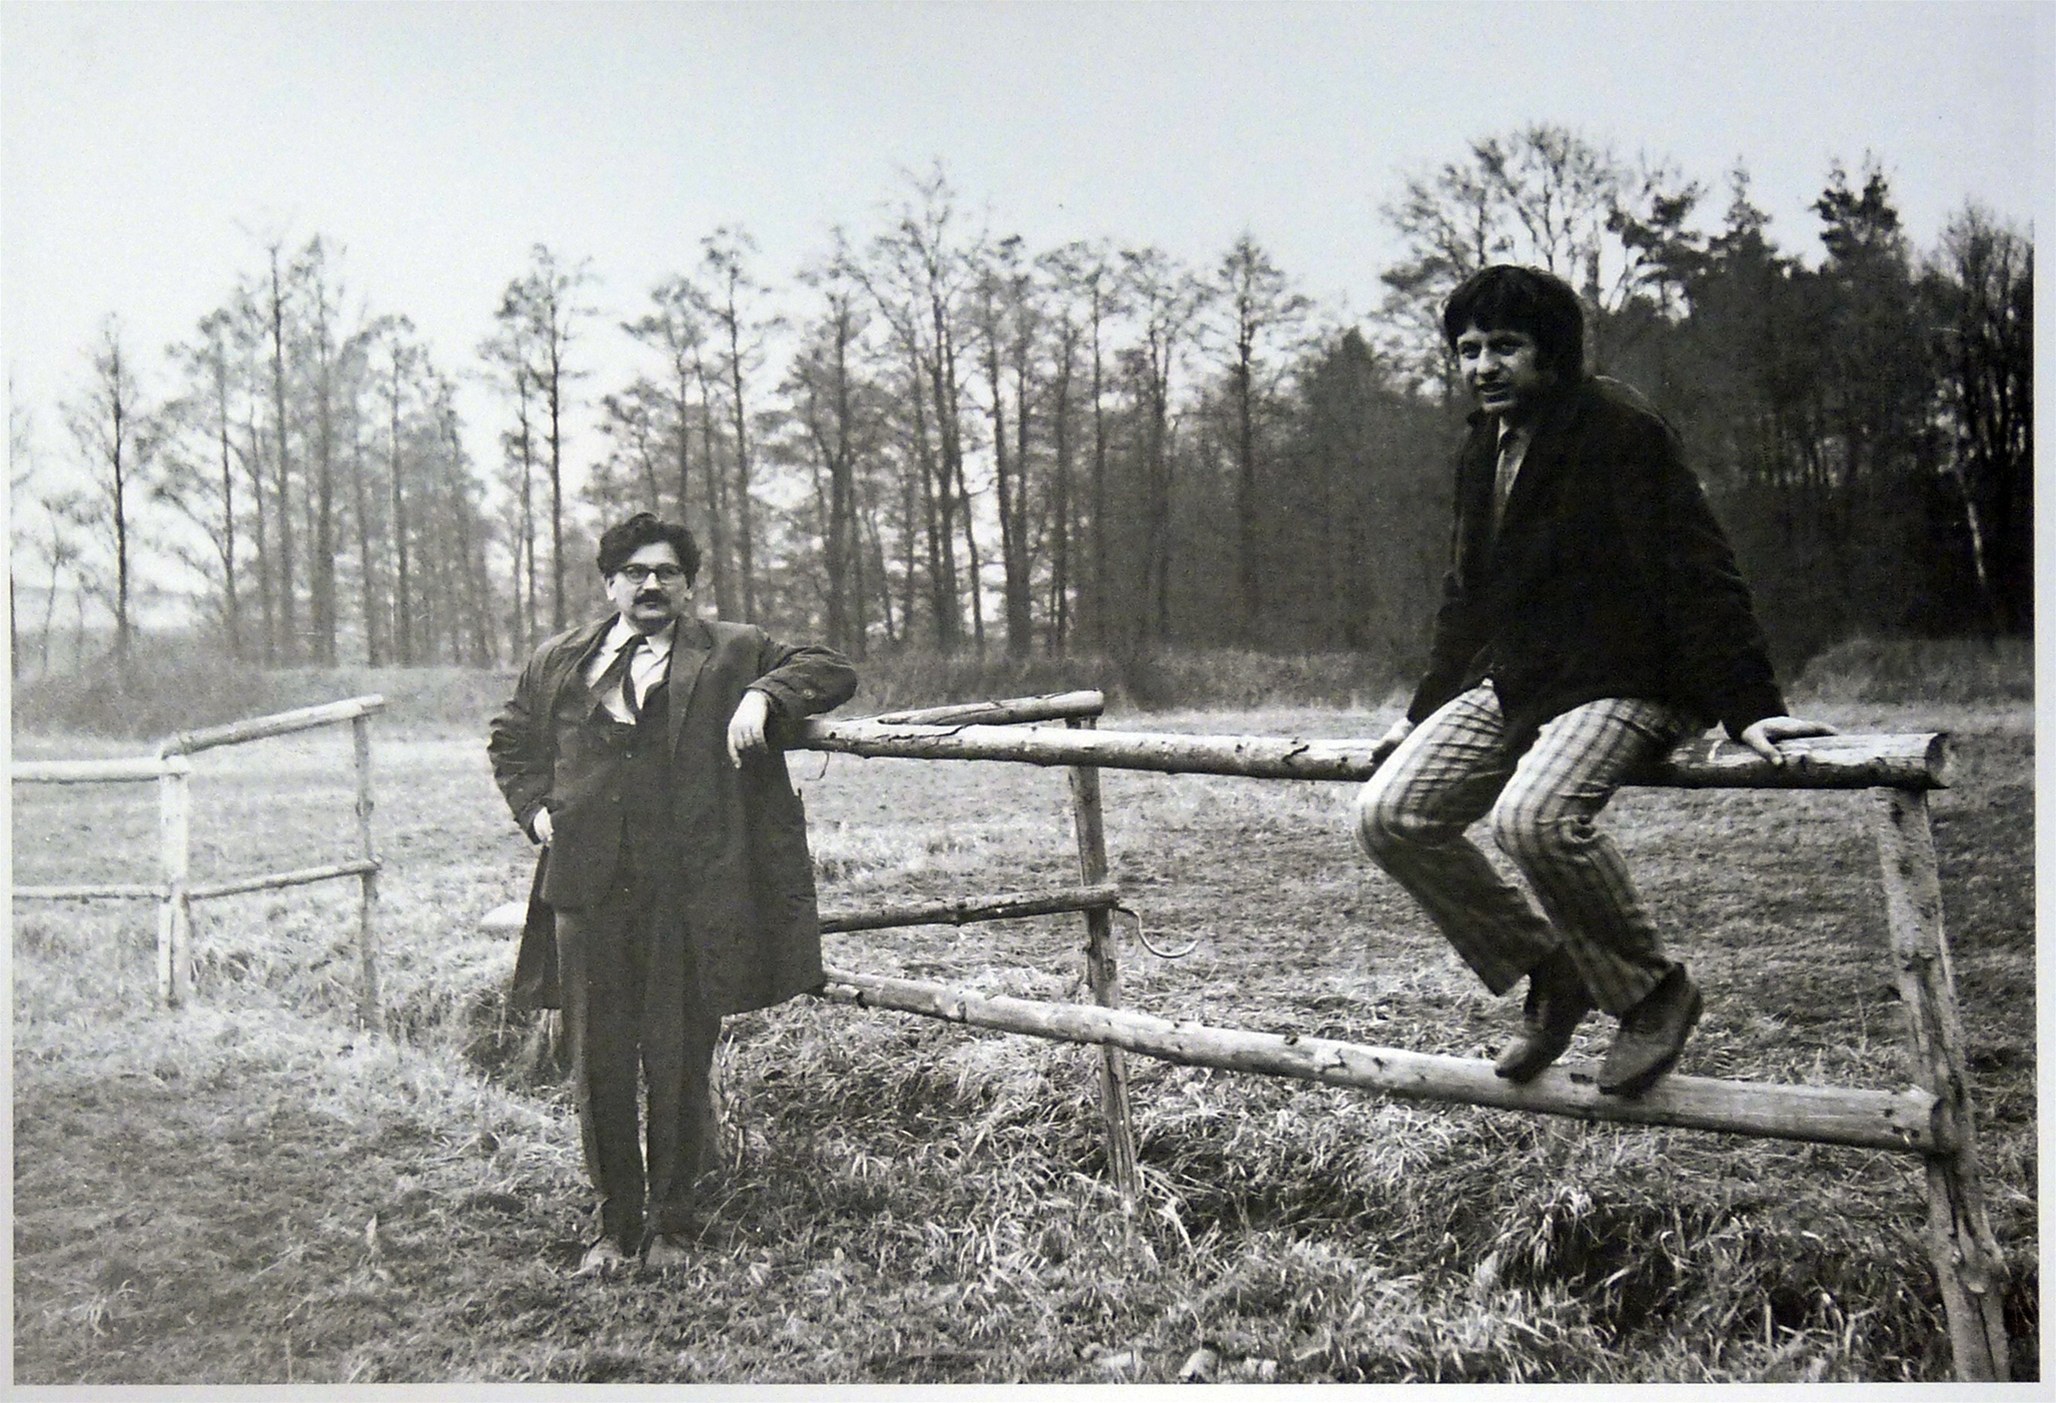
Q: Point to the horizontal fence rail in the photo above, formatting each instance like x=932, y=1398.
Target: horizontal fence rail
x=272, y=881
x=969, y=909
x=93, y=891
x=126, y=769
x=283, y=723
x=1919, y=761
x=1879, y=1120
x=1056, y=706
x=1004, y=906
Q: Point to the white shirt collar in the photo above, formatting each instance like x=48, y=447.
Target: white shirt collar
x=658, y=643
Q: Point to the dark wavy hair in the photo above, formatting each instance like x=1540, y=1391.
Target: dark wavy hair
x=619, y=542
x=1510, y=297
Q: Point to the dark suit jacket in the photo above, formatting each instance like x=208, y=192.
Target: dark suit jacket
x=745, y=881
x=1608, y=576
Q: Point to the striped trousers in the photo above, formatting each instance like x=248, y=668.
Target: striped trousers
x=1457, y=766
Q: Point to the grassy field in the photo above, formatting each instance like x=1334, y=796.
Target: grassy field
x=253, y=1190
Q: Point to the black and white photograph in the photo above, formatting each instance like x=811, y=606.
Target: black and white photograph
x=1068, y=694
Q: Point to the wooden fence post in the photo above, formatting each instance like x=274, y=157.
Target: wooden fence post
x=1103, y=973
x=367, y=901
x=1968, y=1263
x=174, y=911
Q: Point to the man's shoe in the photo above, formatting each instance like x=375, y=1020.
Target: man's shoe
x=1652, y=1035
x=667, y=1250
x=603, y=1258
x=1556, y=1001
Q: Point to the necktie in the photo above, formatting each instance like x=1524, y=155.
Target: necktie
x=1512, y=448
x=619, y=675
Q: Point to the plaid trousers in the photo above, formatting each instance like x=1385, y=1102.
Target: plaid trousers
x=1454, y=768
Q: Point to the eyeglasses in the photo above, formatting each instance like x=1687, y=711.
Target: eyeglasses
x=663, y=574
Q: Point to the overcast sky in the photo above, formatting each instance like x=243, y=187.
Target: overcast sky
x=151, y=151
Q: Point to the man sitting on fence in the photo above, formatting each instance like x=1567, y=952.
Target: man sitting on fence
x=1592, y=616
x=674, y=884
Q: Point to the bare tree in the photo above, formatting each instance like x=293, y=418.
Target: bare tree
x=201, y=460
x=288, y=642
x=674, y=329
x=459, y=531
x=724, y=255
x=246, y=335
x=21, y=471
x=1166, y=300
x=1983, y=282
x=633, y=424
x=1544, y=195
x=326, y=349
x=915, y=276
x=1085, y=273
x=826, y=396
x=1007, y=322
x=508, y=352
x=543, y=306
x=112, y=426
x=66, y=517
x=402, y=363
x=1261, y=310
x=1065, y=334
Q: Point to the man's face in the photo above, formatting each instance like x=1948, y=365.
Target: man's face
x=649, y=589
x=1504, y=370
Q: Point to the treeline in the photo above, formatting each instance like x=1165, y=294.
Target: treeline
x=939, y=438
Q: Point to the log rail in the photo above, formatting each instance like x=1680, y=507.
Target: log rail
x=1915, y=762
x=1907, y=1121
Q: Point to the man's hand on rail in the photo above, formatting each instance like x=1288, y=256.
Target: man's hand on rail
x=540, y=826
x=1763, y=736
x=746, y=727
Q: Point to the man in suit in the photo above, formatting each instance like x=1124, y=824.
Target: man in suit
x=1592, y=616
x=674, y=885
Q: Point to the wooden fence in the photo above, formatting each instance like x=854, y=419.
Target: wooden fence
x=175, y=892
x=1933, y=1119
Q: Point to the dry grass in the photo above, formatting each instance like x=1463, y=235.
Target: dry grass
x=252, y=1191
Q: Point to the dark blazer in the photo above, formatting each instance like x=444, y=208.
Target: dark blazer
x=1609, y=575
x=745, y=879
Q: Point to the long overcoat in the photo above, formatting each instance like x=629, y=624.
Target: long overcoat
x=744, y=888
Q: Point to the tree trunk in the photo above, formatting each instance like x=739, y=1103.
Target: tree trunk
x=1060, y=503
x=367, y=582
x=1100, y=600
x=553, y=390
x=1004, y=488
x=1249, y=577
x=745, y=528
x=231, y=606
x=717, y=507
x=842, y=507
x=266, y=606
x=282, y=498
x=403, y=592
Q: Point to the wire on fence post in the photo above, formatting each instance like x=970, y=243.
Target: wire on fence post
x=1103, y=972
x=1968, y=1264
x=174, y=911
x=367, y=901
